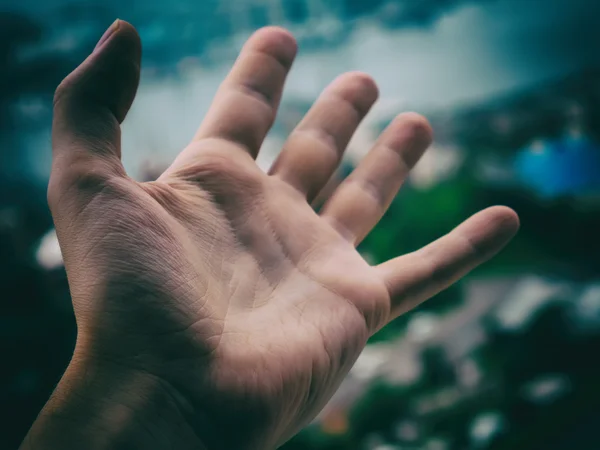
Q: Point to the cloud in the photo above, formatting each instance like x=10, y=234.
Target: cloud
x=439, y=53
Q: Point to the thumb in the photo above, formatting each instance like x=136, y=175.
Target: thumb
x=89, y=106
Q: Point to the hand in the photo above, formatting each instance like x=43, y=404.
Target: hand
x=218, y=284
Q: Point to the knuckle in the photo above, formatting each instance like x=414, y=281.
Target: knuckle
x=218, y=172
x=377, y=310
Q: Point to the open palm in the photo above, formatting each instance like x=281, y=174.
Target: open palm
x=220, y=280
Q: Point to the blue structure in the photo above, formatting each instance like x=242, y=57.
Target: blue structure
x=566, y=166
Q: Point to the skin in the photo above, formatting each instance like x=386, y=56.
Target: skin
x=215, y=308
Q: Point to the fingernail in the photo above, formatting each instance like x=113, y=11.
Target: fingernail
x=114, y=27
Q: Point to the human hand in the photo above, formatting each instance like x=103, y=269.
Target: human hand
x=217, y=288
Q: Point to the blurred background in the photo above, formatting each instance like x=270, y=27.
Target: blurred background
x=507, y=358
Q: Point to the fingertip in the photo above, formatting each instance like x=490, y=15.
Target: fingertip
x=490, y=230
x=95, y=97
x=126, y=29
x=417, y=126
x=506, y=220
x=409, y=135
x=360, y=86
x=107, y=34
x=359, y=79
x=124, y=25
x=115, y=68
x=276, y=41
x=123, y=32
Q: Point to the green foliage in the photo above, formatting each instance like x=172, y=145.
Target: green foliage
x=418, y=217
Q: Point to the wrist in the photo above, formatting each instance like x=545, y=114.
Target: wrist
x=98, y=405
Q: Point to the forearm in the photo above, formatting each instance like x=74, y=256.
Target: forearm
x=97, y=408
